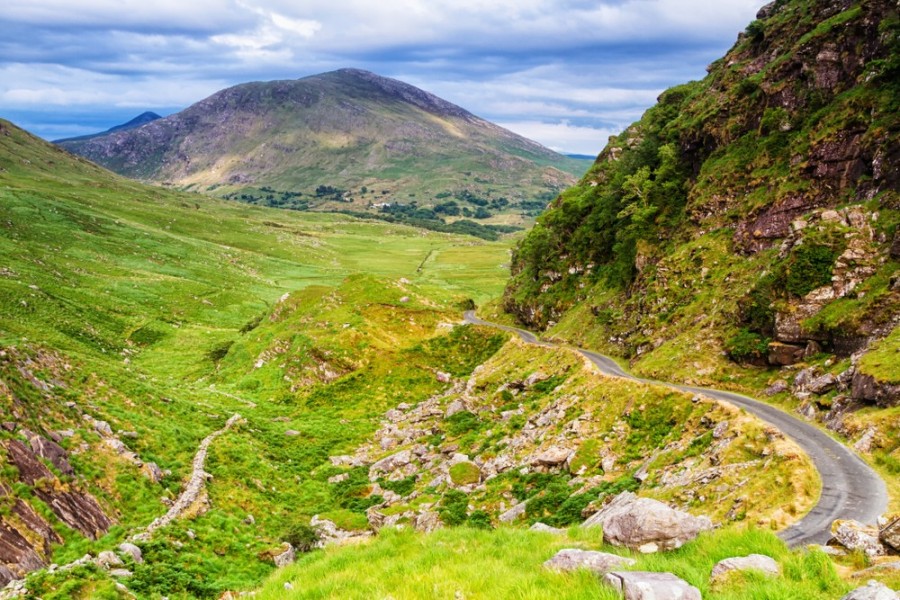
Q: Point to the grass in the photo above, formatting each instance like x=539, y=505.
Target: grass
x=507, y=563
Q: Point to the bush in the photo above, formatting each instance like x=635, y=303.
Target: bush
x=747, y=345
x=454, y=508
x=465, y=473
x=302, y=537
x=810, y=267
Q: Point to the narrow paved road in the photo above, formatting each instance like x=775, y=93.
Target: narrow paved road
x=850, y=489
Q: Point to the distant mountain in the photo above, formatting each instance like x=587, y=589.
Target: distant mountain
x=141, y=119
x=376, y=139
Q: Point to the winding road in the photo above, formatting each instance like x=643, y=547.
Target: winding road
x=850, y=488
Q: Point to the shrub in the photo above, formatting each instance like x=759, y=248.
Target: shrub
x=454, y=508
x=302, y=537
x=747, y=345
x=465, y=473
x=809, y=267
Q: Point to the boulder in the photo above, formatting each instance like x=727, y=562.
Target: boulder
x=133, y=551
x=777, y=388
x=645, y=585
x=853, y=535
x=393, y=462
x=753, y=562
x=784, y=354
x=428, y=521
x=512, y=514
x=872, y=591
x=646, y=525
x=119, y=573
x=552, y=457
x=285, y=557
x=890, y=534
x=152, y=472
x=571, y=559
x=868, y=389
x=543, y=527
x=457, y=406
x=108, y=560
x=822, y=384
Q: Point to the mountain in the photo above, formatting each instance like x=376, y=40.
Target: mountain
x=141, y=119
x=750, y=218
x=363, y=138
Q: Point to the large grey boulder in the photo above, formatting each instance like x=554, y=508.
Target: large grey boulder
x=853, y=535
x=644, y=585
x=571, y=559
x=753, y=562
x=646, y=525
x=872, y=591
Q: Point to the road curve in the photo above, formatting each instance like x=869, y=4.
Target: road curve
x=850, y=488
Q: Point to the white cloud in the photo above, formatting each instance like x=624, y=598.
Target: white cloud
x=563, y=136
x=555, y=67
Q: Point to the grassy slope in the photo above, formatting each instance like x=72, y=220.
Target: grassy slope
x=468, y=563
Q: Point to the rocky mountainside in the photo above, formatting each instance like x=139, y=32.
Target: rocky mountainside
x=360, y=137
x=751, y=215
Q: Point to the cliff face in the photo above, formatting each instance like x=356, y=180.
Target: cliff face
x=753, y=212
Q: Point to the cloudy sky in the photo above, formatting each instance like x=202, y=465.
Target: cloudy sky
x=567, y=73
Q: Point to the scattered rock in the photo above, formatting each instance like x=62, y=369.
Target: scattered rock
x=152, y=472
x=756, y=562
x=120, y=573
x=822, y=384
x=428, y=521
x=547, y=529
x=291, y=433
x=777, y=388
x=102, y=427
x=108, y=560
x=646, y=525
x=890, y=534
x=339, y=478
x=133, y=551
x=864, y=443
x=443, y=377
x=853, y=535
x=512, y=514
x=571, y=559
x=391, y=463
x=644, y=585
x=457, y=406
x=872, y=591
x=552, y=457
x=286, y=557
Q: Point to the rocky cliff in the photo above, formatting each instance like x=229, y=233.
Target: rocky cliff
x=753, y=213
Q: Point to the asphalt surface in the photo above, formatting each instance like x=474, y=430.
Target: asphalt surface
x=850, y=488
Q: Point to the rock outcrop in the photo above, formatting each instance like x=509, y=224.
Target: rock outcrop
x=646, y=525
